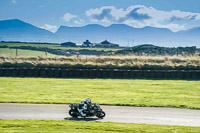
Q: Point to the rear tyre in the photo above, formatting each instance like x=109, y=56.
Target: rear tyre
x=101, y=114
x=73, y=113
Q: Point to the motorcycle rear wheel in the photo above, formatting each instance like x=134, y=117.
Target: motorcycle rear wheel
x=73, y=113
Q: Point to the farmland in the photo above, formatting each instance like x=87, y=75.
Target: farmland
x=20, y=52
x=42, y=58
x=55, y=46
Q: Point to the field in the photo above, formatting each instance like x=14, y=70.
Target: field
x=44, y=59
x=20, y=52
x=132, y=92
x=55, y=46
x=29, y=44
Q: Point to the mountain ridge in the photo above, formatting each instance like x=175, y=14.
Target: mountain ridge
x=117, y=33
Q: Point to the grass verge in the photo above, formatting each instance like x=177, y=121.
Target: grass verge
x=131, y=92
x=88, y=127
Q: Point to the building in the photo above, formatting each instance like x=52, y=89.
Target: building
x=106, y=44
x=68, y=44
x=87, y=43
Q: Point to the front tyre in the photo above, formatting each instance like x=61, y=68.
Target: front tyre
x=73, y=113
x=101, y=114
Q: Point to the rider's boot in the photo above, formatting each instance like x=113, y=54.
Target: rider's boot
x=81, y=113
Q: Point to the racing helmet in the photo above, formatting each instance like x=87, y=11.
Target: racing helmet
x=88, y=100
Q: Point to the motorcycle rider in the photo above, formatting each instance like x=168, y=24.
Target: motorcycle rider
x=84, y=106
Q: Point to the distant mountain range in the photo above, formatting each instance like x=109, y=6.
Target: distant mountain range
x=17, y=30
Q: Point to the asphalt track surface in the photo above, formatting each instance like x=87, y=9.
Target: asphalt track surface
x=124, y=114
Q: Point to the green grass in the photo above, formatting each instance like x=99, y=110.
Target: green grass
x=78, y=48
x=133, y=92
x=29, y=44
x=20, y=52
x=88, y=127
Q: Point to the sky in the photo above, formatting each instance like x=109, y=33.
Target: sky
x=175, y=15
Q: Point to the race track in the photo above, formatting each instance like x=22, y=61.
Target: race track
x=124, y=114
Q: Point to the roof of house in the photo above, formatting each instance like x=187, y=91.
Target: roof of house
x=87, y=42
x=106, y=42
x=65, y=43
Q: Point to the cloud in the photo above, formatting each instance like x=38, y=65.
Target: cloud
x=137, y=16
x=79, y=22
x=51, y=28
x=111, y=13
x=105, y=14
x=190, y=17
x=140, y=16
x=14, y=1
x=68, y=16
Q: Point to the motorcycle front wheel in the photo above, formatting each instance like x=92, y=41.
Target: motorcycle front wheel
x=73, y=113
x=101, y=114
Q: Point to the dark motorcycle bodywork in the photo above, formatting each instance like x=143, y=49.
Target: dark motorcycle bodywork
x=92, y=110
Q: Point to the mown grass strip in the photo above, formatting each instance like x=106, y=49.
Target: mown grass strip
x=88, y=127
x=131, y=92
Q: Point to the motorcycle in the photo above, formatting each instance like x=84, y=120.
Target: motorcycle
x=92, y=110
